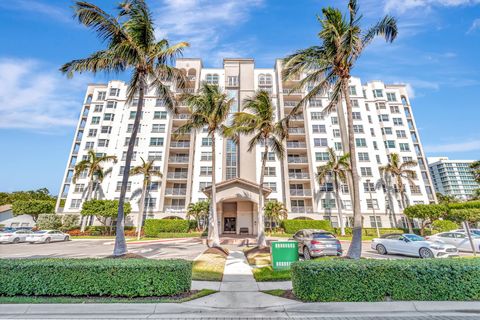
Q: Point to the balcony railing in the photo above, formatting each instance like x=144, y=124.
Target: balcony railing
x=289, y=91
x=299, y=175
x=177, y=175
x=178, y=159
x=296, y=130
x=180, y=144
x=181, y=116
x=301, y=192
x=292, y=144
x=176, y=209
x=301, y=209
x=298, y=117
x=176, y=191
x=290, y=103
x=297, y=160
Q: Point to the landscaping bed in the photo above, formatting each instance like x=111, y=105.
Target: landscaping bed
x=209, y=265
x=260, y=261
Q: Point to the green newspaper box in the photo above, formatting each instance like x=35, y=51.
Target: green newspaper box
x=283, y=254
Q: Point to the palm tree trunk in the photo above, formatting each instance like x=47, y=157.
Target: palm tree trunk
x=261, y=241
x=89, y=194
x=409, y=223
x=390, y=201
x=339, y=204
x=213, y=238
x=141, y=209
x=355, y=250
x=120, y=247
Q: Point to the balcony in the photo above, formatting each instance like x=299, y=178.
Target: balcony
x=298, y=117
x=296, y=145
x=297, y=160
x=291, y=92
x=296, y=131
x=180, y=144
x=175, y=191
x=182, y=116
x=301, y=209
x=290, y=104
x=176, y=209
x=299, y=175
x=178, y=159
x=301, y=192
x=177, y=175
x=186, y=90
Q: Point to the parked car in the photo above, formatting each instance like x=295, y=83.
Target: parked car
x=47, y=236
x=316, y=243
x=472, y=231
x=412, y=245
x=14, y=236
x=457, y=239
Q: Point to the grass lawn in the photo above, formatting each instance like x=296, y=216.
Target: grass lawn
x=268, y=274
x=62, y=299
x=166, y=235
x=209, y=266
x=275, y=292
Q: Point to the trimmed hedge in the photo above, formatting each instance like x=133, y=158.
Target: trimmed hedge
x=379, y=280
x=372, y=232
x=153, y=227
x=94, y=277
x=292, y=226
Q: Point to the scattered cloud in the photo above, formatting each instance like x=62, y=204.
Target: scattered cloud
x=33, y=97
x=204, y=24
x=43, y=9
x=475, y=25
x=473, y=145
x=404, y=6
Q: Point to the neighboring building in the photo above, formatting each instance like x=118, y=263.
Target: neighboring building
x=7, y=219
x=453, y=177
x=383, y=124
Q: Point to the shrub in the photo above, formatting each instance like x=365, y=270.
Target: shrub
x=378, y=280
x=33, y=207
x=292, y=226
x=192, y=225
x=444, y=225
x=94, y=277
x=70, y=222
x=49, y=221
x=371, y=232
x=155, y=226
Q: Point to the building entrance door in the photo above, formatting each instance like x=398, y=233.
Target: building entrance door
x=229, y=225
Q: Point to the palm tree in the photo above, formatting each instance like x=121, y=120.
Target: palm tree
x=209, y=108
x=386, y=182
x=131, y=45
x=275, y=211
x=338, y=168
x=93, y=165
x=148, y=171
x=258, y=119
x=476, y=170
x=400, y=171
x=328, y=66
x=199, y=212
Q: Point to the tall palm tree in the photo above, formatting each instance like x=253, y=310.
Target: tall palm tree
x=476, y=170
x=258, y=119
x=338, y=168
x=199, y=212
x=209, y=108
x=130, y=45
x=148, y=171
x=93, y=165
x=400, y=171
x=386, y=182
x=328, y=67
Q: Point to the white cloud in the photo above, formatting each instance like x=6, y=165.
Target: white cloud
x=34, y=98
x=473, y=145
x=475, y=25
x=402, y=6
x=204, y=24
x=41, y=8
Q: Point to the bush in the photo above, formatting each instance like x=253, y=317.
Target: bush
x=49, y=221
x=94, y=277
x=292, y=226
x=371, y=232
x=192, y=225
x=379, y=280
x=444, y=225
x=33, y=207
x=155, y=226
x=70, y=222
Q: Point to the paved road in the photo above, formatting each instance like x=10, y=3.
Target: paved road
x=177, y=248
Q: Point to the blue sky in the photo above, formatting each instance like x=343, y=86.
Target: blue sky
x=436, y=54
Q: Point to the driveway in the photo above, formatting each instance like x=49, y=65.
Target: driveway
x=167, y=249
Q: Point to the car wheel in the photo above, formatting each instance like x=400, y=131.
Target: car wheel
x=16, y=240
x=426, y=253
x=306, y=253
x=381, y=249
x=67, y=238
x=47, y=240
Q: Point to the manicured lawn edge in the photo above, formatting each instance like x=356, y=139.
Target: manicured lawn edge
x=268, y=274
x=209, y=266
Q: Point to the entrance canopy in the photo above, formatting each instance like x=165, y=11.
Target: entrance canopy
x=237, y=189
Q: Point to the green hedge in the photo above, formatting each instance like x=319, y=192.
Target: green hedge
x=371, y=231
x=292, y=226
x=155, y=226
x=379, y=280
x=94, y=277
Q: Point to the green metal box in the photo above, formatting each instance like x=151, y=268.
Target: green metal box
x=283, y=254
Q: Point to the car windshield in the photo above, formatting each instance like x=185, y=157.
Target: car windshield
x=40, y=232
x=414, y=237
x=7, y=230
x=319, y=235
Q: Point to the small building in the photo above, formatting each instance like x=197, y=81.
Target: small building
x=7, y=219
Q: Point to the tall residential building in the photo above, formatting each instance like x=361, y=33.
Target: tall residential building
x=384, y=124
x=453, y=177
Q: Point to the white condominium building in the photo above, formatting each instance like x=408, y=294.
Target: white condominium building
x=453, y=177
x=384, y=124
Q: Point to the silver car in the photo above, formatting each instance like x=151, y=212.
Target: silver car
x=14, y=236
x=47, y=236
x=458, y=239
x=316, y=243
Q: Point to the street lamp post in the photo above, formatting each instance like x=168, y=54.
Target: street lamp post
x=373, y=208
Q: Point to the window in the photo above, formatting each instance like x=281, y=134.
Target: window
x=205, y=171
x=344, y=188
x=405, y=159
x=352, y=90
x=92, y=132
x=361, y=142
x=270, y=172
x=336, y=133
x=358, y=128
x=404, y=147
x=380, y=106
x=119, y=186
x=354, y=103
x=347, y=204
x=271, y=185
x=108, y=116
x=89, y=145
x=366, y=171
x=378, y=93
x=338, y=146
x=156, y=142
x=111, y=104
x=315, y=102
x=160, y=115
x=375, y=221
x=398, y=121
x=95, y=120
x=334, y=120
x=270, y=156
x=369, y=119
x=372, y=132
x=372, y=204
x=103, y=142
x=154, y=155
x=329, y=204
x=363, y=156
x=316, y=116
x=327, y=187
x=79, y=188
x=206, y=156
x=98, y=108
x=150, y=203
x=153, y=186
x=415, y=189
x=394, y=109
x=320, y=142
x=206, y=142
x=231, y=160
x=212, y=78
x=101, y=95
x=264, y=79
x=357, y=116
x=106, y=129
x=369, y=187
x=378, y=159
x=130, y=128
x=75, y=203
x=390, y=144
x=127, y=141
x=387, y=130
x=383, y=117
x=134, y=156
x=391, y=96
x=322, y=156
x=375, y=146
x=114, y=92
x=319, y=128
x=158, y=128
x=232, y=81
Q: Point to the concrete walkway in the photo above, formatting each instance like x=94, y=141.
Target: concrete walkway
x=238, y=289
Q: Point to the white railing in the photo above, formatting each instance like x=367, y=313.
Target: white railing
x=180, y=144
x=297, y=160
x=177, y=175
x=176, y=209
x=296, y=130
x=178, y=159
x=299, y=175
x=292, y=144
x=301, y=192
x=301, y=209
x=182, y=116
x=176, y=191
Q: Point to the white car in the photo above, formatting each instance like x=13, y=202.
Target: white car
x=472, y=231
x=47, y=236
x=14, y=236
x=412, y=245
x=457, y=239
